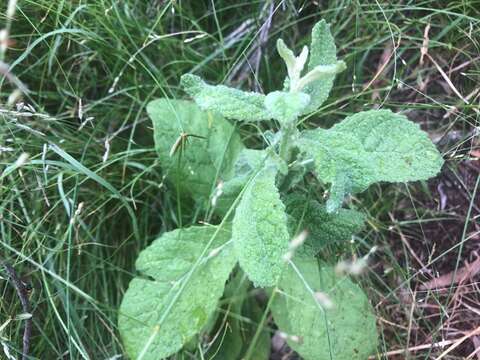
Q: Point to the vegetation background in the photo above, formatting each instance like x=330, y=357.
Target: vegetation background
x=81, y=192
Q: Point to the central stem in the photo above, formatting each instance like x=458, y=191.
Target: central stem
x=288, y=130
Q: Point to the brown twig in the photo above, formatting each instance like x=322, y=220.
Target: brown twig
x=22, y=293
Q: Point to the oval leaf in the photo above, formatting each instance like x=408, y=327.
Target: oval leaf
x=259, y=231
x=370, y=147
x=229, y=102
x=325, y=317
x=322, y=52
x=173, y=300
x=210, y=148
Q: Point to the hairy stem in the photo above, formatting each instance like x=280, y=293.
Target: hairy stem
x=288, y=132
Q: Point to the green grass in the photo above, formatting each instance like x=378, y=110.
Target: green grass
x=74, y=216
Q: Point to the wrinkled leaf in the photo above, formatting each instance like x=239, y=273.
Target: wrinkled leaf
x=345, y=331
x=295, y=64
x=285, y=106
x=229, y=102
x=169, y=304
x=370, y=147
x=323, y=228
x=259, y=232
x=195, y=165
x=322, y=52
x=248, y=161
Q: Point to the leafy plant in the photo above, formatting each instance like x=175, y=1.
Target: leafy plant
x=257, y=195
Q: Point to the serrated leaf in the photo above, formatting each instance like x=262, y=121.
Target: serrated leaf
x=196, y=165
x=322, y=52
x=160, y=314
x=229, y=102
x=345, y=331
x=286, y=106
x=370, y=147
x=323, y=228
x=259, y=231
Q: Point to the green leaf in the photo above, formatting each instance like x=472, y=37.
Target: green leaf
x=196, y=164
x=248, y=161
x=341, y=186
x=322, y=52
x=345, y=331
x=370, y=147
x=260, y=231
x=294, y=64
x=173, y=300
x=323, y=228
x=229, y=102
x=286, y=107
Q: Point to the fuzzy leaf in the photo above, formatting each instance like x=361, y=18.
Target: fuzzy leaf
x=286, y=106
x=195, y=166
x=322, y=52
x=148, y=322
x=248, y=161
x=323, y=228
x=260, y=231
x=229, y=102
x=370, y=147
x=346, y=331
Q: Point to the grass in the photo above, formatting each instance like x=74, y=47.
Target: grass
x=90, y=196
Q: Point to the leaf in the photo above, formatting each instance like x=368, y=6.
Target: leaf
x=322, y=52
x=248, y=161
x=286, y=106
x=341, y=186
x=259, y=231
x=172, y=301
x=346, y=331
x=294, y=64
x=370, y=147
x=229, y=102
x=323, y=228
x=196, y=165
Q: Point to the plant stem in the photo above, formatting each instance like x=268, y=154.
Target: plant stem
x=285, y=143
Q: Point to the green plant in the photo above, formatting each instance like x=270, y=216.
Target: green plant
x=257, y=195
